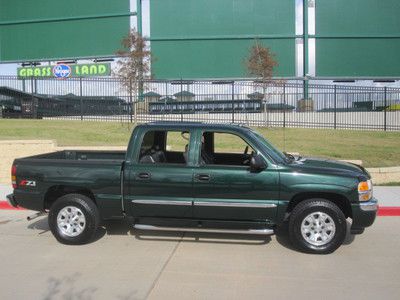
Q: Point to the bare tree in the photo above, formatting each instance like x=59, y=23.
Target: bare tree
x=134, y=65
x=261, y=64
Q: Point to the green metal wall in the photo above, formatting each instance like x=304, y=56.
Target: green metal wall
x=357, y=38
x=51, y=29
x=210, y=39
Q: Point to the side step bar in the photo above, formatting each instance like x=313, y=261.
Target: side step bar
x=207, y=230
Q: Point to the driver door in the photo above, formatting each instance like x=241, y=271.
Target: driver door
x=225, y=189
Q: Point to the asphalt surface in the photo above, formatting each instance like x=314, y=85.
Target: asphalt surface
x=126, y=264
x=387, y=195
x=4, y=191
x=122, y=263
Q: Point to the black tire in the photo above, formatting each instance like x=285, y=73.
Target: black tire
x=90, y=212
x=304, y=209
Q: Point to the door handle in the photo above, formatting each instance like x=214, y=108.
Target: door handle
x=144, y=175
x=203, y=177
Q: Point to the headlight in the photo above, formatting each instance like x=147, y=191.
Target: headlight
x=365, y=190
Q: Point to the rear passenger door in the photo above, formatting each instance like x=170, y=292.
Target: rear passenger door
x=160, y=179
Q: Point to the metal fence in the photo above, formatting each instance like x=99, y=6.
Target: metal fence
x=278, y=103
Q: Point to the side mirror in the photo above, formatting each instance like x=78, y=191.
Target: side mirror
x=257, y=163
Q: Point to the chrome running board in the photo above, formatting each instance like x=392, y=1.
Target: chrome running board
x=207, y=230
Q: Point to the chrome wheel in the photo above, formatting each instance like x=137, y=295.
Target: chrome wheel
x=318, y=228
x=71, y=221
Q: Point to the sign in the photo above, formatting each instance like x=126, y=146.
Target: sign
x=66, y=70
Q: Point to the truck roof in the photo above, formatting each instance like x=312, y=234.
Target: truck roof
x=185, y=125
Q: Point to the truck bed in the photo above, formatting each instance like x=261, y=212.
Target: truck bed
x=96, y=171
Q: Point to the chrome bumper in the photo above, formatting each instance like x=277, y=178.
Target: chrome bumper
x=371, y=205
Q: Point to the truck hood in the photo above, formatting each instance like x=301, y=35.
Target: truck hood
x=328, y=166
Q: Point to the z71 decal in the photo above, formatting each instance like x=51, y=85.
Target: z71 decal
x=27, y=183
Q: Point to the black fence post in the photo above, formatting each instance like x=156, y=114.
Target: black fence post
x=130, y=111
x=233, y=101
x=384, y=107
x=32, y=99
x=165, y=99
x=181, y=105
x=284, y=105
x=80, y=96
x=334, y=98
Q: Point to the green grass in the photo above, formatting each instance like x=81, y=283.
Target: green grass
x=374, y=148
x=67, y=133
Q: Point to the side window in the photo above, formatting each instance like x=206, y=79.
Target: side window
x=177, y=141
x=229, y=143
x=147, y=148
x=148, y=141
x=220, y=148
x=164, y=147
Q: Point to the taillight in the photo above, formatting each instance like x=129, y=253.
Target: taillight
x=14, y=176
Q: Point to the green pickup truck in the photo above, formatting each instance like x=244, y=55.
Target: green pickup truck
x=197, y=177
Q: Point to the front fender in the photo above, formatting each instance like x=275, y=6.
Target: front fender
x=297, y=187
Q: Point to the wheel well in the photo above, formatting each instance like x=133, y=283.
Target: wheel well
x=57, y=191
x=342, y=202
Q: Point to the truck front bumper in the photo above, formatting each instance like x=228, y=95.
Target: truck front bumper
x=11, y=200
x=364, y=213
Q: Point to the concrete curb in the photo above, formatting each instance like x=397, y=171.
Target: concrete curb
x=384, y=170
x=28, y=142
x=385, y=175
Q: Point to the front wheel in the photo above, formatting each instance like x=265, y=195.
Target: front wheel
x=317, y=226
x=73, y=219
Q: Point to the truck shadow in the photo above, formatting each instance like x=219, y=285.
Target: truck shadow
x=125, y=228
x=41, y=224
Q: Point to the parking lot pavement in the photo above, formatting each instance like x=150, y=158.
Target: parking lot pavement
x=5, y=189
x=387, y=195
x=125, y=264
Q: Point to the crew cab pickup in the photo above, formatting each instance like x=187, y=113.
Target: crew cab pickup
x=197, y=177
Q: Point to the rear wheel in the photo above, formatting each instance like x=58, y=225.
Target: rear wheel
x=317, y=226
x=74, y=219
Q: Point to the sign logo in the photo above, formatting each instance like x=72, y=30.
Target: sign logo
x=61, y=71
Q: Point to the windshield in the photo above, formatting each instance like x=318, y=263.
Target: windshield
x=273, y=151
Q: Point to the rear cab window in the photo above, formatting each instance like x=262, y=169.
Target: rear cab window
x=164, y=147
